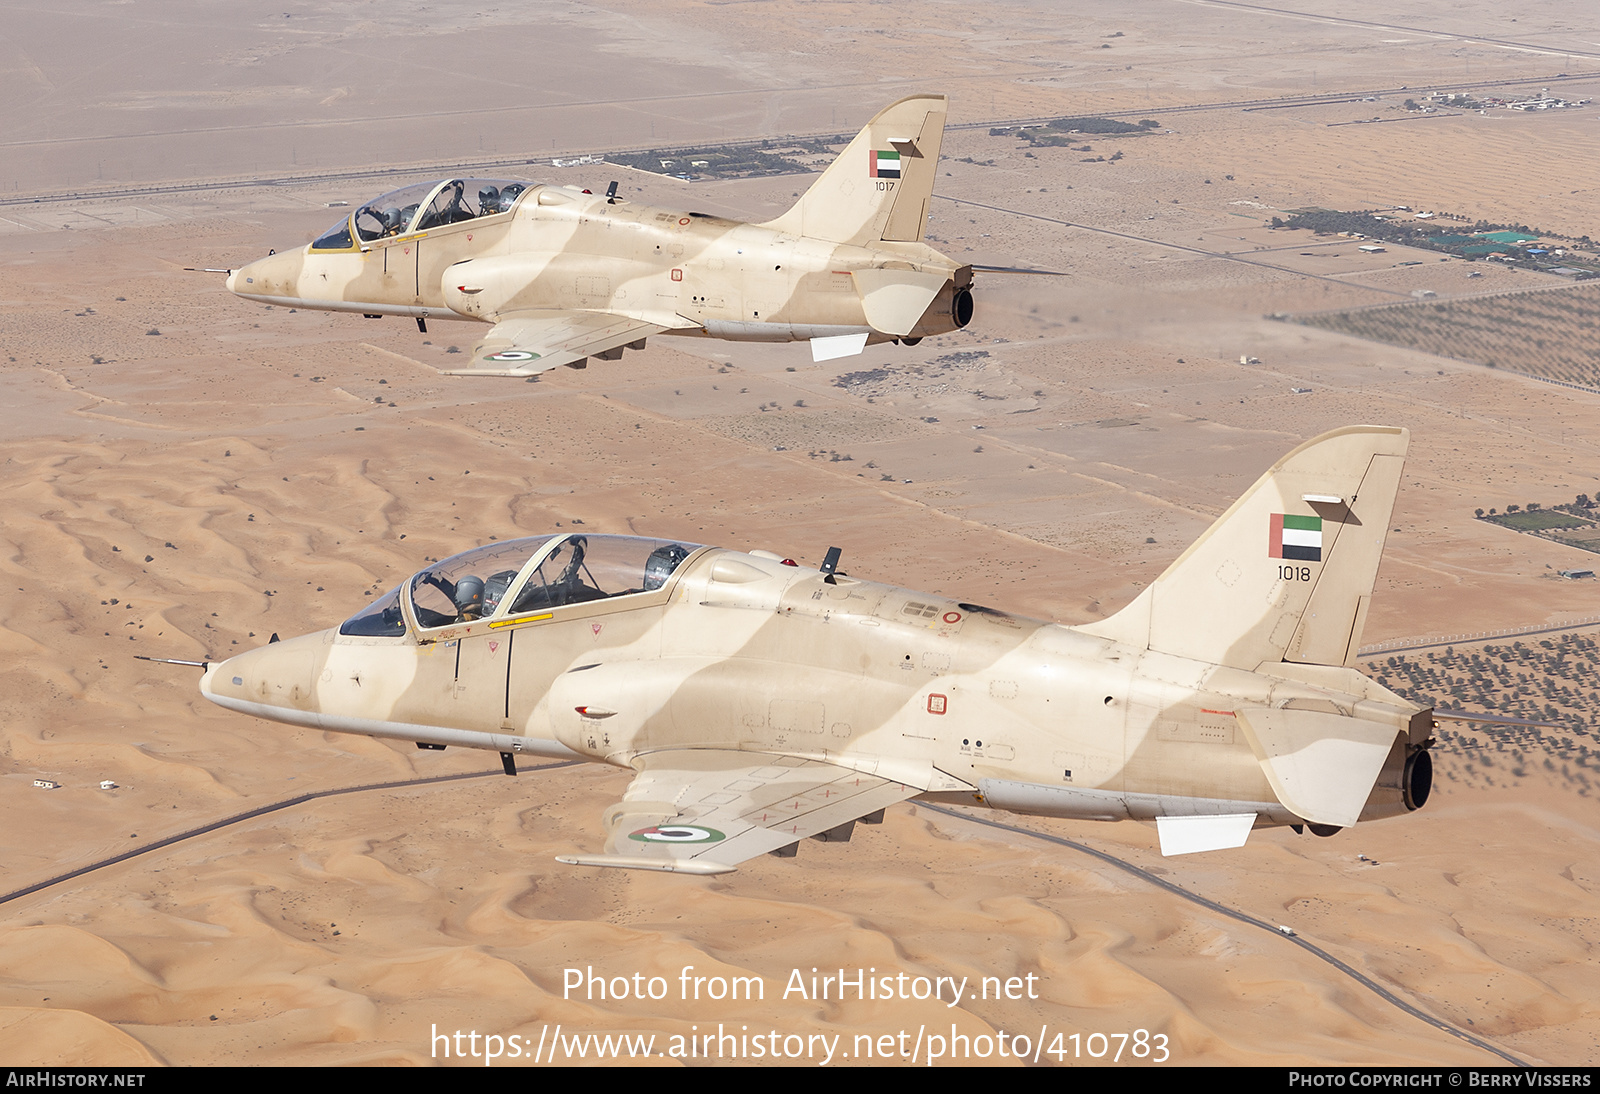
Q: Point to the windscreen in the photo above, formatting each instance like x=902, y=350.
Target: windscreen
x=586, y=568
x=470, y=585
x=380, y=619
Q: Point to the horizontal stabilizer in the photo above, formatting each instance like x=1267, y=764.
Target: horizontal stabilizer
x=1016, y=270
x=1438, y=712
x=895, y=300
x=1321, y=766
x=1186, y=835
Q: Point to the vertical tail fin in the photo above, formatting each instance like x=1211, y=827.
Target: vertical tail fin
x=1287, y=572
x=879, y=187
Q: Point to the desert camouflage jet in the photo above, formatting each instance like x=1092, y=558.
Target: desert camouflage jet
x=759, y=701
x=564, y=275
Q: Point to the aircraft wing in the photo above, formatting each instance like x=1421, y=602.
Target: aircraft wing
x=704, y=811
x=529, y=343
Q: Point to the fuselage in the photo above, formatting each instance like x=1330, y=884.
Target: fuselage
x=564, y=656
x=552, y=248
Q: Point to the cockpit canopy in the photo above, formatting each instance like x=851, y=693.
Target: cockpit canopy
x=419, y=207
x=521, y=577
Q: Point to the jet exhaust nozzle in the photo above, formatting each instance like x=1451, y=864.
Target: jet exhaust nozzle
x=1418, y=781
x=961, y=307
x=950, y=310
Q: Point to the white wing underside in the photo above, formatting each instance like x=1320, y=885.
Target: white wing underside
x=535, y=342
x=704, y=811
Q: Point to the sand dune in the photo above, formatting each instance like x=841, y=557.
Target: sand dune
x=246, y=470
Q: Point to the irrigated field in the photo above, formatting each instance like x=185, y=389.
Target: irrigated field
x=1549, y=334
x=1551, y=680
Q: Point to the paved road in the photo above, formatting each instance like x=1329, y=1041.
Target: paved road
x=238, y=818
x=957, y=814
x=1195, y=898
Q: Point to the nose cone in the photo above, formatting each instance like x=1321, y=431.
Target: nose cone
x=275, y=277
x=275, y=681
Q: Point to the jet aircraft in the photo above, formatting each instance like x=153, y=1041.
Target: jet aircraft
x=758, y=701
x=564, y=275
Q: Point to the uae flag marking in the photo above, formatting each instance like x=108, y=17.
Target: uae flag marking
x=885, y=165
x=1295, y=537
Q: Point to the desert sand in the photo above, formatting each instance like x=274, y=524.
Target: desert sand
x=186, y=474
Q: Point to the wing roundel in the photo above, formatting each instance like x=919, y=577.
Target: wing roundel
x=704, y=811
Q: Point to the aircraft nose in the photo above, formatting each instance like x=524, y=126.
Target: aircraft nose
x=277, y=675
x=274, y=276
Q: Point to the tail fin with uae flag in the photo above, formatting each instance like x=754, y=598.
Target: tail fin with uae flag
x=879, y=188
x=1286, y=573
